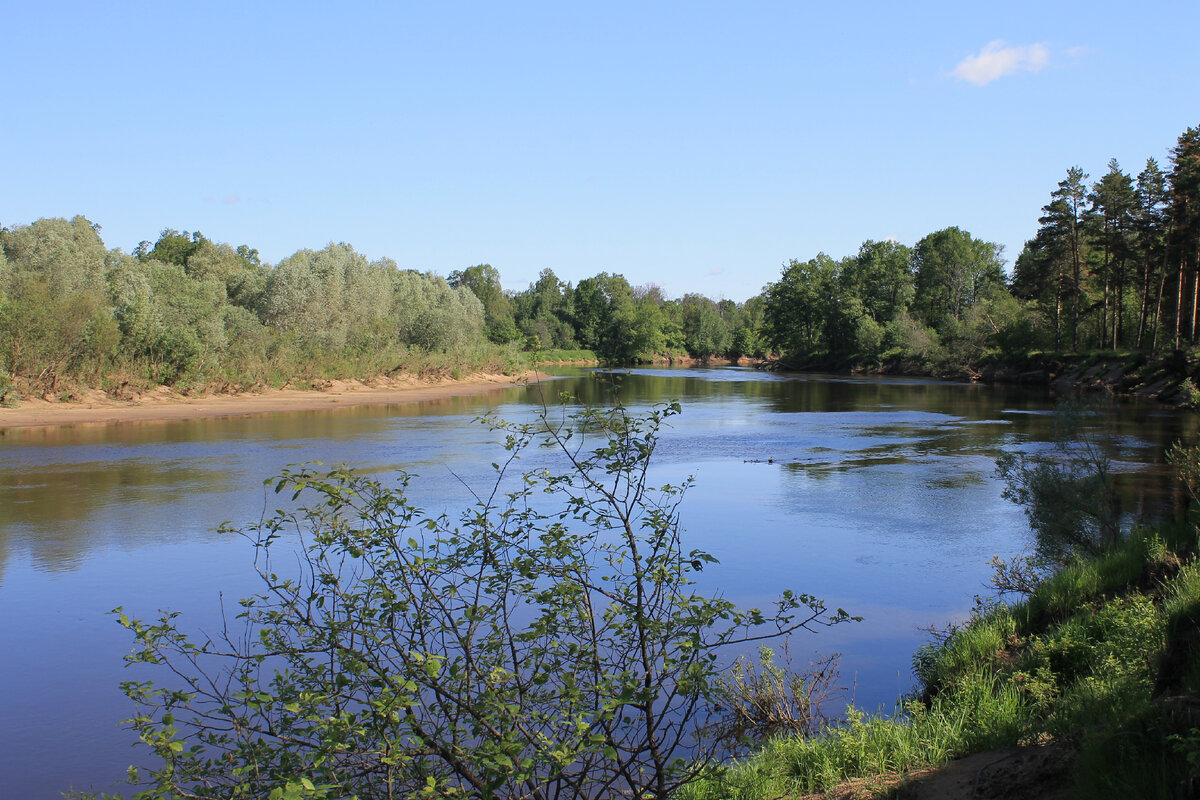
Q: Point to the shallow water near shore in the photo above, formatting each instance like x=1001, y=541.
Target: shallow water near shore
x=877, y=495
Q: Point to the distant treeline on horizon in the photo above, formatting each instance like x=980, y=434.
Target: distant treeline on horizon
x=1114, y=264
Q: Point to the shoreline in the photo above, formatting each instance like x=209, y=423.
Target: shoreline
x=165, y=404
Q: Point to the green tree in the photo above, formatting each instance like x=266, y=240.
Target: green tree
x=529, y=651
x=1050, y=268
x=881, y=276
x=68, y=256
x=172, y=247
x=544, y=312
x=607, y=321
x=431, y=315
x=173, y=323
x=47, y=337
x=239, y=269
x=1150, y=219
x=705, y=333
x=484, y=282
x=746, y=337
x=323, y=297
x=953, y=270
x=55, y=319
x=796, y=306
x=1184, y=183
x=1111, y=223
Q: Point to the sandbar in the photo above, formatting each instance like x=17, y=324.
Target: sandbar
x=165, y=404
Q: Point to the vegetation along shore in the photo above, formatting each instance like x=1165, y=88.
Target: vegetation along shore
x=1114, y=270
x=1093, y=666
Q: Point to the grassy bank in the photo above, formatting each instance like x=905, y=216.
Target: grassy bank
x=1099, y=663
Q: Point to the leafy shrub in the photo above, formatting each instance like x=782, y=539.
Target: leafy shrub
x=518, y=653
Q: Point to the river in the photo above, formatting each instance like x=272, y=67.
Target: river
x=877, y=495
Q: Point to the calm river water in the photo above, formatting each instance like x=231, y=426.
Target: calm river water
x=877, y=495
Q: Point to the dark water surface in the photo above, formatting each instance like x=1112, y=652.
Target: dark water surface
x=877, y=495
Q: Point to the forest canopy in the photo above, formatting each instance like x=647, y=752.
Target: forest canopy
x=1114, y=263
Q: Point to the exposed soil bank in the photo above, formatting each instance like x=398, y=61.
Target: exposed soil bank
x=1171, y=378
x=164, y=403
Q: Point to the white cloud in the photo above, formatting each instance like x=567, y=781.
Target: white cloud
x=998, y=59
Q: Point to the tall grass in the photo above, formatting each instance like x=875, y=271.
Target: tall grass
x=980, y=714
x=1092, y=659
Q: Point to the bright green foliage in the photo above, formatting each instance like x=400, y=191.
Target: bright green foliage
x=174, y=322
x=172, y=247
x=550, y=643
x=746, y=330
x=543, y=313
x=797, y=306
x=705, y=332
x=239, y=270
x=953, y=270
x=980, y=715
x=607, y=320
x=930, y=304
x=881, y=277
x=484, y=282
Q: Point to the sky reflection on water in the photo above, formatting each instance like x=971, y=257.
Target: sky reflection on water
x=877, y=495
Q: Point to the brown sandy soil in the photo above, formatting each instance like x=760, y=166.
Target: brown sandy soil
x=165, y=404
x=1035, y=772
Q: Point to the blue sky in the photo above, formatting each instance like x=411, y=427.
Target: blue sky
x=695, y=145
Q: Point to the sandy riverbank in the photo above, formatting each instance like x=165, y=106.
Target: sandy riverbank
x=166, y=404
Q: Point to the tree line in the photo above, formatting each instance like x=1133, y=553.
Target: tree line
x=186, y=309
x=1114, y=264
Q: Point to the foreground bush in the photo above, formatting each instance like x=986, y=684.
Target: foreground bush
x=549, y=644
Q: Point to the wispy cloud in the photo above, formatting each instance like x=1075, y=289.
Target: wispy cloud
x=715, y=271
x=998, y=59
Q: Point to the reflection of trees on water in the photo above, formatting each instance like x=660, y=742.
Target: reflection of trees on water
x=69, y=491
x=61, y=512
